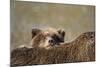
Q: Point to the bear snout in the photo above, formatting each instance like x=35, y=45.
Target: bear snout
x=52, y=42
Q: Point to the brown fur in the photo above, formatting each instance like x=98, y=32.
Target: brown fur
x=41, y=38
x=78, y=50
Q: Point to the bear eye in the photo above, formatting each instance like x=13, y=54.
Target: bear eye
x=59, y=32
x=54, y=36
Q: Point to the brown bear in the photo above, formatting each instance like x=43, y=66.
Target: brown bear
x=82, y=49
x=47, y=38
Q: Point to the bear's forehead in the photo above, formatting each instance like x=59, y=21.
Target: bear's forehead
x=51, y=30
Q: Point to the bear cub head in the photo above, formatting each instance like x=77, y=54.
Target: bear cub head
x=46, y=38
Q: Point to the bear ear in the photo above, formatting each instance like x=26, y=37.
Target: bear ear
x=35, y=31
x=61, y=32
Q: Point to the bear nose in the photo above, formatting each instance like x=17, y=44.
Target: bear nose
x=51, y=41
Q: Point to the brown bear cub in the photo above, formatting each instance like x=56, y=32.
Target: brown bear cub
x=47, y=38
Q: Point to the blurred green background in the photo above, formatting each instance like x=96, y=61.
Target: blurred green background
x=74, y=19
